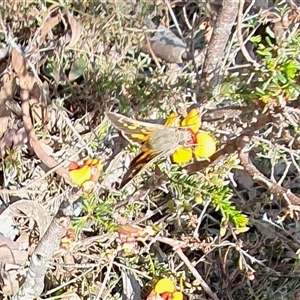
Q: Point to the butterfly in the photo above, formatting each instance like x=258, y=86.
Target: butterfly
x=156, y=140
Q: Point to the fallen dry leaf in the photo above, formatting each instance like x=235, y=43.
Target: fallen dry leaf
x=47, y=27
x=164, y=43
x=11, y=257
x=32, y=210
x=6, y=242
x=243, y=179
x=11, y=279
x=20, y=67
x=76, y=29
x=13, y=139
x=30, y=91
x=10, y=253
x=6, y=92
x=131, y=285
x=77, y=69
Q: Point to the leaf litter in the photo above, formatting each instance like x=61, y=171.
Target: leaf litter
x=89, y=89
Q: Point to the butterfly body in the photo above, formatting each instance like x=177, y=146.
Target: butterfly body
x=156, y=141
x=167, y=139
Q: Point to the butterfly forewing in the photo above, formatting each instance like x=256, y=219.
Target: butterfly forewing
x=133, y=130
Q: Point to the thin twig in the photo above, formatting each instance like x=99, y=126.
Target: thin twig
x=174, y=18
x=230, y=147
x=278, y=146
x=196, y=234
x=34, y=142
x=68, y=283
x=106, y=278
x=287, y=168
x=151, y=51
x=177, y=248
x=240, y=36
x=292, y=201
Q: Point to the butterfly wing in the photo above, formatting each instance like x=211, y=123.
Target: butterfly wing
x=133, y=130
x=139, y=163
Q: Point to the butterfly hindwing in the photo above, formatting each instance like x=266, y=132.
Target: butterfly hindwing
x=138, y=164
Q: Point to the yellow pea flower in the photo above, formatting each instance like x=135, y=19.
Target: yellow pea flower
x=206, y=145
x=164, y=285
x=192, y=120
x=165, y=288
x=202, y=145
x=86, y=174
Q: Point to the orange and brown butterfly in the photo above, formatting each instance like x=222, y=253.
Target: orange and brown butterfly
x=86, y=175
x=177, y=137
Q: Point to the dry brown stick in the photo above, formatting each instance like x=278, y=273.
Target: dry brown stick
x=30, y=90
x=34, y=142
x=230, y=147
x=210, y=76
x=293, y=202
x=47, y=246
x=151, y=50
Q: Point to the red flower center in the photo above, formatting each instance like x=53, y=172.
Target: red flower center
x=166, y=296
x=193, y=140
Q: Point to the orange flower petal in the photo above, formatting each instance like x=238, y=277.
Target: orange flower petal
x=192, y=120
x=153, y=296
x=164, y=285
x=166, y=296
x=206, y=145
x=93, y=162
x=127, y=229
x=73, y=166
x=182, y=155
